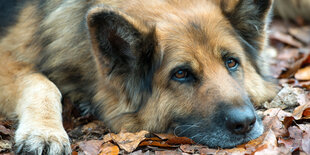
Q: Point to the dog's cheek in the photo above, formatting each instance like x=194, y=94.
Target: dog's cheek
x=257, y=88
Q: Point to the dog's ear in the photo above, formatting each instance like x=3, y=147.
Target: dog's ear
x=119, y=41
x=123, y=47
x=250, y=18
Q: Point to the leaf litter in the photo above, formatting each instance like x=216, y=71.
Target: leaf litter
x=286, y=118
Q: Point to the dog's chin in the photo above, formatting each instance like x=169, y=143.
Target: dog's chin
x=215, y=136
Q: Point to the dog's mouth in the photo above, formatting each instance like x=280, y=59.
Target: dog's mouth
x=216, y=134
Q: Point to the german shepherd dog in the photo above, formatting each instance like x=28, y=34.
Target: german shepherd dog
x=188, y=67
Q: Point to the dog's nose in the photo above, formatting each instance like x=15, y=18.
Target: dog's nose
x=240, y=120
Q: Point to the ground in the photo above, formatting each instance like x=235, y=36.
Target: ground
x=286, y=117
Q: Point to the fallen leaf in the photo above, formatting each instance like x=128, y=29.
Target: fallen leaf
x=289, y=54
x=235, y=151
x=175, y=140
x=189, y=148
x=109, y=148
x=301, y=33
x=302, y=84
x=285, y=38
x=292, y=69
x=179, y=140
x=107, y=138
x=296, y=134
x=303, y=73
x=164, y=136
x=298, y=112
x=90, y=147
x=140, y=152
x=128, y=141
x=306, y=137
x=4, y=130
x=155, y=143
x=288, y=143
x=269, y=146
x=251, y=146
x=5, y=145
x=74, y=153
x=288, y=97
x=306, y=112
x=92, y=126
x=167, y=153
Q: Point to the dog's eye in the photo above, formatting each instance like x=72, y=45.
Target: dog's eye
x=232, y=64
x=182, y=75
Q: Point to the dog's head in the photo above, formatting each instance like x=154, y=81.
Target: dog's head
x=187, y=67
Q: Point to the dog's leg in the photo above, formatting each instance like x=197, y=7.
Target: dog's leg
x=36, y=102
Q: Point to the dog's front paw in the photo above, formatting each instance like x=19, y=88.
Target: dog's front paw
x=42, y=140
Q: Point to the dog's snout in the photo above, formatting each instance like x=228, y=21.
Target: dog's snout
x=240, y=120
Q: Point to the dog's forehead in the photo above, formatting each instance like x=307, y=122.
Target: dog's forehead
x=197, y=36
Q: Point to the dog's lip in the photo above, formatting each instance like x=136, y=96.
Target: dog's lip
x=231, y=141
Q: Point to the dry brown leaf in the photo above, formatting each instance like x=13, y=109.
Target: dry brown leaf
x=4, y=130
x=90, y=147
x=303, y=73
x=305, y=144
x=164, y=136
x=140, y=152
x=289, y=54
x=179, y=140
x=129, y=141
x=5, y=145
x=109, y=148
x=285, y=38
x=155, y=143
x=288, y=143
x=269, y=145
x=107, y=138
x=301, y=33
x=298, y=112
x=296, y=134
x=288, y=97
x=174, y=140
x=251, y=146
x=302, y=84
x=292, y=69
x=153, y=139
x=273, y=119
x=307, y=60
x=235, y=151
x=92, y=126
x=167, y=153
x=306, y=112
x=74, y=153
x=189, y=148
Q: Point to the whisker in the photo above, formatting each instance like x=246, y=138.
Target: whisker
x=202, y=139
x=199, y=134
x=190, y=126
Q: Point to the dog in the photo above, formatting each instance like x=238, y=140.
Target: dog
x=189, y=67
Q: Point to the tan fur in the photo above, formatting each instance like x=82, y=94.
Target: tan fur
x=19, y=36
x=36, y=102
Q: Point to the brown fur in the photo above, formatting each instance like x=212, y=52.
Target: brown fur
x=117, y=57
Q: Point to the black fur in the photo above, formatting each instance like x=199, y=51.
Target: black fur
x=129, y=52
x=248, y=19
x=9, y=11
x=213, y=131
